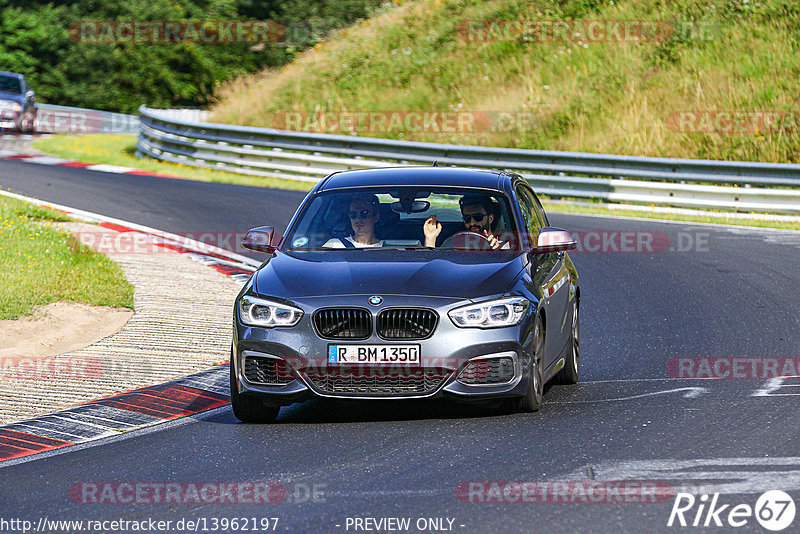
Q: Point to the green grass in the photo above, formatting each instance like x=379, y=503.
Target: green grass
x=121, y=150
x=603, y=97
x=40, y=264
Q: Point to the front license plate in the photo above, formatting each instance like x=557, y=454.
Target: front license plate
x=375, y=354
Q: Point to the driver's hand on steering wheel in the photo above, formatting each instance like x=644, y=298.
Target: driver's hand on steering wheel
x=493, y=241
x=432, y=229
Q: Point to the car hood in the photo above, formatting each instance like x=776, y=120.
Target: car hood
x=14, y=97
x=454, y=275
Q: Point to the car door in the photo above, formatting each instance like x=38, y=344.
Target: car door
x=549, y=273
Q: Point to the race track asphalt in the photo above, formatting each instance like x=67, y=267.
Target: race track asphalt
x=719, y=293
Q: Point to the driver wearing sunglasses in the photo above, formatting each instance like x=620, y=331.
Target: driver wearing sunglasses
x=477, y=214
x=363, y=215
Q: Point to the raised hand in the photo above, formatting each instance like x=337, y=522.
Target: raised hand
x=432, y=229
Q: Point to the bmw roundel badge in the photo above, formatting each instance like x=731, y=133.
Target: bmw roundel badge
x=376, y=300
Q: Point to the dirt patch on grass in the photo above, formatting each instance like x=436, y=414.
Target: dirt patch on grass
x=58, y=328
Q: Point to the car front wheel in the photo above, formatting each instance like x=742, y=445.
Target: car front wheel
x=532, y=400
x=571, y=371
x=27, y=123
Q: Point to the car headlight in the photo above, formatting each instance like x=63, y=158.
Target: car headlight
x=10, y=105
x=491, y=314
x=259, y=312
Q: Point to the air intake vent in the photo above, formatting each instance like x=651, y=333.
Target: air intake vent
x=489, y=371
x=343, y=323
x=406, y=323
x=378, y=381
x=269, y=371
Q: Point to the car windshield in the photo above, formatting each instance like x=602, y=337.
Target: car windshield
x=395, y=218
x=10, y=84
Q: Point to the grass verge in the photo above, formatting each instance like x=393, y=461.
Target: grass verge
x=40, y=264
x=671, y=96
x=121, y=150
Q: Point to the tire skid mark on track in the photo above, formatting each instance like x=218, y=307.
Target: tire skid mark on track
x=690, y=393
x=740, y=475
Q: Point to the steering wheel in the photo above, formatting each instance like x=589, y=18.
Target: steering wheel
x=467, y=240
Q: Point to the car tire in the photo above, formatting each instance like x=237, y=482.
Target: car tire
x=572, y=364
x=250, y=409
x=532, y=400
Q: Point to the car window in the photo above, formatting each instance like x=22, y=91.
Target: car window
x=537, y=206
x=532, y=214
x=394, y=217
x=10, y=84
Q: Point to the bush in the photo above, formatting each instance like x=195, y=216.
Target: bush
x=35, y=41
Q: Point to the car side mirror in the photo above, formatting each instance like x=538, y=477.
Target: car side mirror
x=553, y=239
x=260, y=239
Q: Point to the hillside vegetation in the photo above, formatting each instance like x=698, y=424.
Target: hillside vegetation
x=657, y=97
x=66, y=65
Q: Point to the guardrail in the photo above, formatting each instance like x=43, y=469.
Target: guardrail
x=766, y=187
x=65, y=119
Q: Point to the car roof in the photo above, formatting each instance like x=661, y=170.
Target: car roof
x=4, y=73
x=417, y=176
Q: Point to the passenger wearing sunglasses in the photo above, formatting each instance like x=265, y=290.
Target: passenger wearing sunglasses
x=363, y=215
x=477, y=214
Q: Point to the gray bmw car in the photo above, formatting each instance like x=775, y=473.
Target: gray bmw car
x=412, y=282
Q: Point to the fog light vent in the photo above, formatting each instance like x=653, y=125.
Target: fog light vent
x=488, y=371
x=269, y=371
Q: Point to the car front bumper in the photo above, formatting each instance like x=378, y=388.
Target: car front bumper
x=302, y=358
